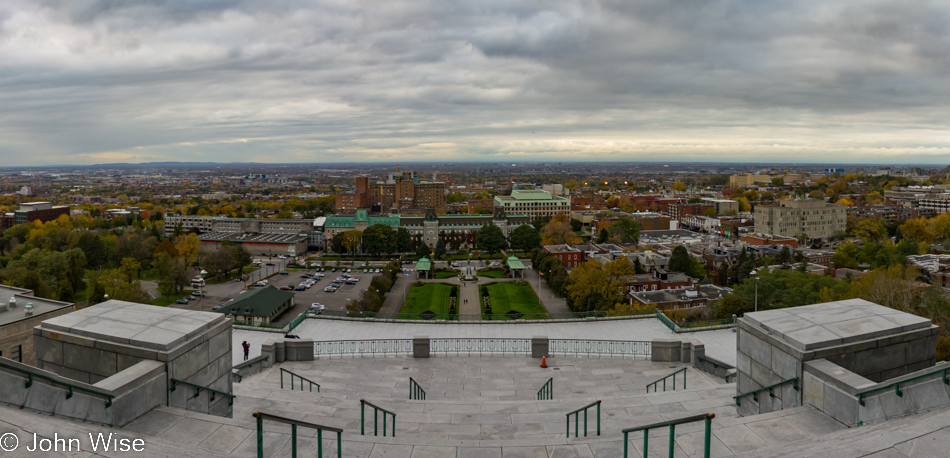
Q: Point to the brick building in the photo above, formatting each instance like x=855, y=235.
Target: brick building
x=16, y=326
x=570, y=256
x=33, y=211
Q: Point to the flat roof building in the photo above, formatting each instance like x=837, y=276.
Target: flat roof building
x=816, y=219
x=535, y=203
x=16, y=324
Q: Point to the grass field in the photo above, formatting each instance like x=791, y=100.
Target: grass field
x=510, y=296
x=443, y=275
x=492, y=273
x=430, y=296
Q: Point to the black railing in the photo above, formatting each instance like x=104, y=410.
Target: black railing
x=56, y=381
x=672, y=424
x=302, y=379
x=376, y=411
x=415, y=391
x=576, y=422
x=770, y=389
x=260, y=416
x=198, y=388
x=663, y=380
x=546, y=393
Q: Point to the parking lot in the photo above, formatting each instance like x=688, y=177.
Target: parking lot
x=333, y=301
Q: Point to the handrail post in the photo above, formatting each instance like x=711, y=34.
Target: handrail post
x=646, y=442
x=260, y=437
x=293, y=440
x=672, y=439
x=281, y=378
x=362, y=419
x=585, y=422
x=625, y=441
x=708, y=440
x=319, y=443
x=598, y=417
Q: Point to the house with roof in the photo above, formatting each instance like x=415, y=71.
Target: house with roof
x=679, y=298
x=259, y=306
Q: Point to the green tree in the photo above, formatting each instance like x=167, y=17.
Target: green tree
x=422, y=250
x=784, y=256
x=680, y=260
x=846, y=256
x=403, y=240
x=525, y=238
x=625, y=229
x=440, y=248
x=603, y=236
x=490, y=239
x=379, y=239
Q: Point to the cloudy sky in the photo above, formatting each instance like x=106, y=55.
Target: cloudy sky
x=85, y=81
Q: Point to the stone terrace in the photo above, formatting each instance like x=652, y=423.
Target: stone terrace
x=720, y=344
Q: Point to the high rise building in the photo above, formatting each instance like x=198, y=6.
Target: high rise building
x=794, y=217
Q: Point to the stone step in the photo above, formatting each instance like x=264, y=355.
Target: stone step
x=485, y=385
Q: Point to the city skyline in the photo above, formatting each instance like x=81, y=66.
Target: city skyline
x=318, y=82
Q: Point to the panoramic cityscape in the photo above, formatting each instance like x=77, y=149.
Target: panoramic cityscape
x=585, y=228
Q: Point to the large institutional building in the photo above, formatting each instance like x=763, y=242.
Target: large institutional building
x=794, y=217
x=33, y=211
x=535, y=203
x=400, y=190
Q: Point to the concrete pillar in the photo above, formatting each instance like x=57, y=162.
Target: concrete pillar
x=665, y=350
x=699, y=352
x=686, y=351
x=539, y=346
x=420, y=347
x=280, y=353
x=298, y=350
x=269, y=350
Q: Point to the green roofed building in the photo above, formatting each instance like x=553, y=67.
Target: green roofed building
x=259, y=306
x=423, y=267
x=516, y=267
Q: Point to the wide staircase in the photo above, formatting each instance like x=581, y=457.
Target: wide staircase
x=484, y=406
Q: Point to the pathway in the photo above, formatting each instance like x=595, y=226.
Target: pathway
x=468, y=295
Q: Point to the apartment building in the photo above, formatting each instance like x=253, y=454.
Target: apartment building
x=794, y=217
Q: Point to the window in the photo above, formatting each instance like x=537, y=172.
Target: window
x=16, y=354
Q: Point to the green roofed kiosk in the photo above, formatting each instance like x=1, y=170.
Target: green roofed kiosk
x=423, y=267
x=516, y=267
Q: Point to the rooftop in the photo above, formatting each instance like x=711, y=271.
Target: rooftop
x=23, y=296
x=561, y=249
x=252, y=237
x=812, y=327
x=148, y=326
x=262, y=302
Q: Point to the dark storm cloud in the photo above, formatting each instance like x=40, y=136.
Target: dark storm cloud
x=342, y=80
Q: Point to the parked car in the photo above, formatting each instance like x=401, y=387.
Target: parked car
x=269, y=264
x=182, y=301
x=218, y=307
x=198, y=293
x=191, y=297
x=287, y=288
x=300, y=288
x=283, y=272
x=317, y=308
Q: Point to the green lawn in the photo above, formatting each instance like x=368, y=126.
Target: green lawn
x=492, y=273
x=509, y=296
x=165, y=301
x=443, y=275
x=430, y=296
x=148, y=274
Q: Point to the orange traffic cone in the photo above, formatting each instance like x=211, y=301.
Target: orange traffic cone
x=544, y=361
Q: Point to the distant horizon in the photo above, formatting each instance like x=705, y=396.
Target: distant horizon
x=306, y=82
x=265, y=164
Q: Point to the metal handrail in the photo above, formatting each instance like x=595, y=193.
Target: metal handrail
x=576, y=413
x=416, y=391
x=770, y=389
x=198, y=388
x=653, y=384
x=260, y=416
x=302, y=379
x=546, y=393
x=376, y=410
x=897, y=385
x=69, y=394
x=672, y=424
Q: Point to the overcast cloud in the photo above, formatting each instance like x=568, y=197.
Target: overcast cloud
x=85, y=81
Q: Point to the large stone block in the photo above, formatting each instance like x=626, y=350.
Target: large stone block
x=89, y=360
x=784, y=365
x=763, y=375
x=539, y=346
x=757, y=349
x=814, y=391
x=220, y=344
x=420, y=347
x=48, y=350
x=840, y=405
x=665, y=350
x=879, y=359
x=190, y=362
x=298, y=350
